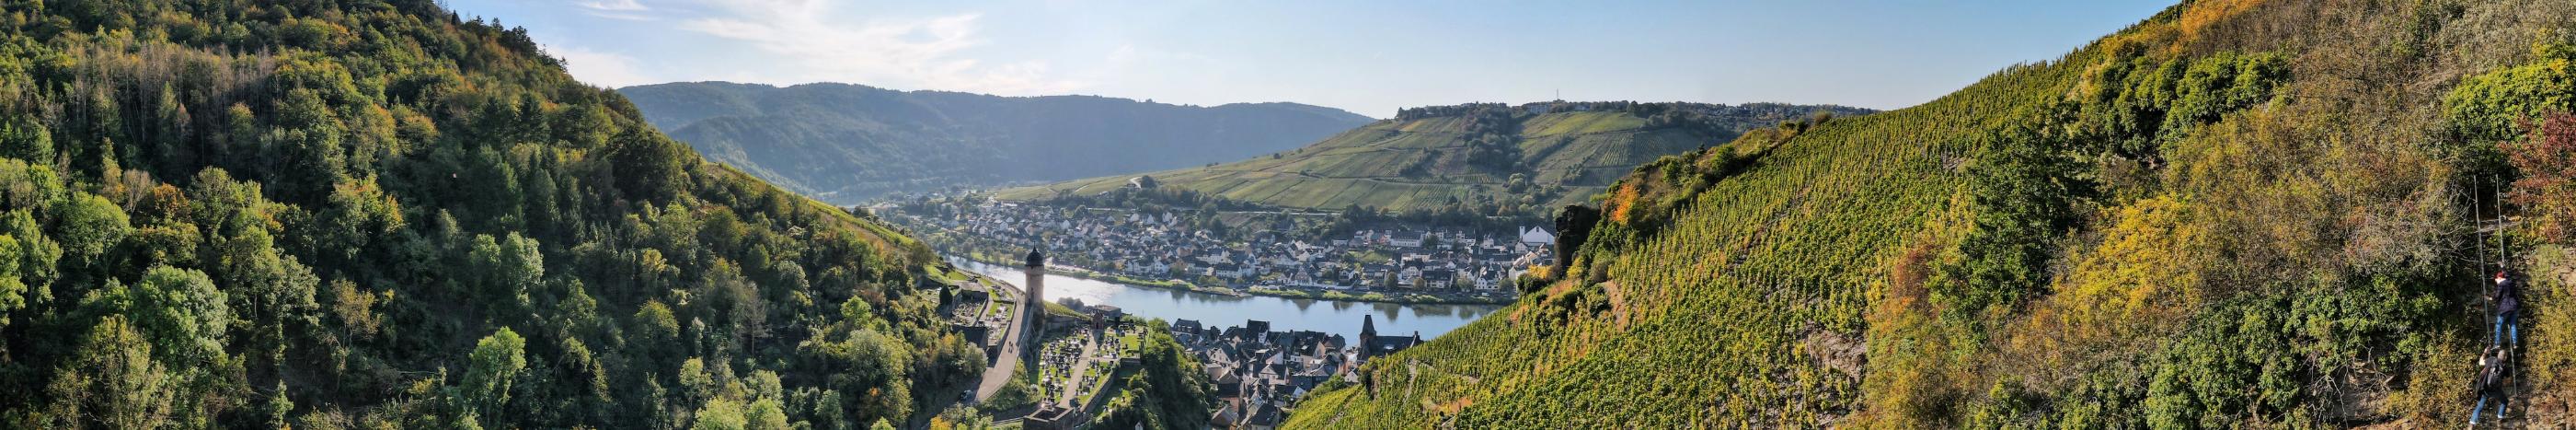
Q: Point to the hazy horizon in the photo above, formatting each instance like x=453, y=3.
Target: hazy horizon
x=1365, y=58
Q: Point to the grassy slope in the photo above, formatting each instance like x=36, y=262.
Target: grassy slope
x=2318, y=204
x=1843, y=190
x=1364, y=166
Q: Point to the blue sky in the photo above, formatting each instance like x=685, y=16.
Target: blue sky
x=1369, y=57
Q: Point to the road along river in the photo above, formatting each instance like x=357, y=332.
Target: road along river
x=1215, y=310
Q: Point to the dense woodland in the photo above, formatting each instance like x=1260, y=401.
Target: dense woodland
x=374, y=213
x=2237, y=213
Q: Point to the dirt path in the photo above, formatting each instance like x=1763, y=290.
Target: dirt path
x=1074, y=374
x=1618, y=302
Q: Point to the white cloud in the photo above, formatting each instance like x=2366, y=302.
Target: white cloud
x=615, y=5
x=601, y=68
x=630, y=10
x=918, y=53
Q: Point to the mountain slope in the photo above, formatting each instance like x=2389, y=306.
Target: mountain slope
x=372, y=213
x=1480, y=155
x=847, y=143
x=2236, y=213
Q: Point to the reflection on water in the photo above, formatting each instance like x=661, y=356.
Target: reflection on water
x=1336, y=317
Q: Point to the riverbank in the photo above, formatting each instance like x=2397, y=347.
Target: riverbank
x=1286, y=293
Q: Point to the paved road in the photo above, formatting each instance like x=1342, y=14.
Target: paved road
x=1009, y=360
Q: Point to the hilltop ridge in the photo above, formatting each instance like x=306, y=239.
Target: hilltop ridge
x=848, y=143
x=1491, y=157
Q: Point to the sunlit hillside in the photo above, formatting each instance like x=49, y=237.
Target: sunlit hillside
x=1485, y=156
x=2233, y=214
x=378, y=214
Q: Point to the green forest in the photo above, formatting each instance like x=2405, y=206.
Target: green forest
x=2235, y=214
x=379, y=214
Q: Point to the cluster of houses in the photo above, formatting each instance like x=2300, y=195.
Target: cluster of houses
x=1164, y=246
x=1259, y=374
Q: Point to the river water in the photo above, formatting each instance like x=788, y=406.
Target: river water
x=1213, y=310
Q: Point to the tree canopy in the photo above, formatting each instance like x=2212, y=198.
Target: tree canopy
x=379, y=213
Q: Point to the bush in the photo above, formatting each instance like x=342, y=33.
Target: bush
x=2547, y=190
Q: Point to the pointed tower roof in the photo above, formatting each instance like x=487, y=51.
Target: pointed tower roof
x=1036, y=259
x=1368, y=325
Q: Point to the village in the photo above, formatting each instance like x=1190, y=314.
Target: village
x=1080, y=349
x=1169, y=250
x=1260, y=373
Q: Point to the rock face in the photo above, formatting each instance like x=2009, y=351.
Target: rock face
x=1573, y=224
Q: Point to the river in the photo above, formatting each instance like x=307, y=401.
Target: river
x=1215, y=310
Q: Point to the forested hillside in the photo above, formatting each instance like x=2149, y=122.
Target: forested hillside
x=848, y=143
x=1486, y=157
x=2236, y=213
x=373, y=213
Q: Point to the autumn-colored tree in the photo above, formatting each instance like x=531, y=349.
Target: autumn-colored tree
x=2547, y=190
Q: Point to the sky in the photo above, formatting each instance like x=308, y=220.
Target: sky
x=1368, y=57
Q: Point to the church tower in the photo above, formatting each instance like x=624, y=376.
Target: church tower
x=1034, y=305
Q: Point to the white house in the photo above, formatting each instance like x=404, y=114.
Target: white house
x=1406, y=240
x=1537, y=237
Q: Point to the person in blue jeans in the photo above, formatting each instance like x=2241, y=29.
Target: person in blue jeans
x=2491, y=384
x=2507, y=326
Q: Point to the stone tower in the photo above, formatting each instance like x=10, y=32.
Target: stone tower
x=1368, y=336
x=1034, y=305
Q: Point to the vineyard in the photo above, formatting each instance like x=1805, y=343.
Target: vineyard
x=1487, y=156
x=2233, y=214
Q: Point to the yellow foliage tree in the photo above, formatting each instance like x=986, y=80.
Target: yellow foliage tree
x=2148, y=264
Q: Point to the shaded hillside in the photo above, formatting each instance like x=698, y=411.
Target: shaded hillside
x=1487, y=156
x=372, y=213
x=848, y=143
x=2233, y=214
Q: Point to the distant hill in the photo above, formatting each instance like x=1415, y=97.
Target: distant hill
x=1484, y=155
x=848, y=143
x=2234, y=214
